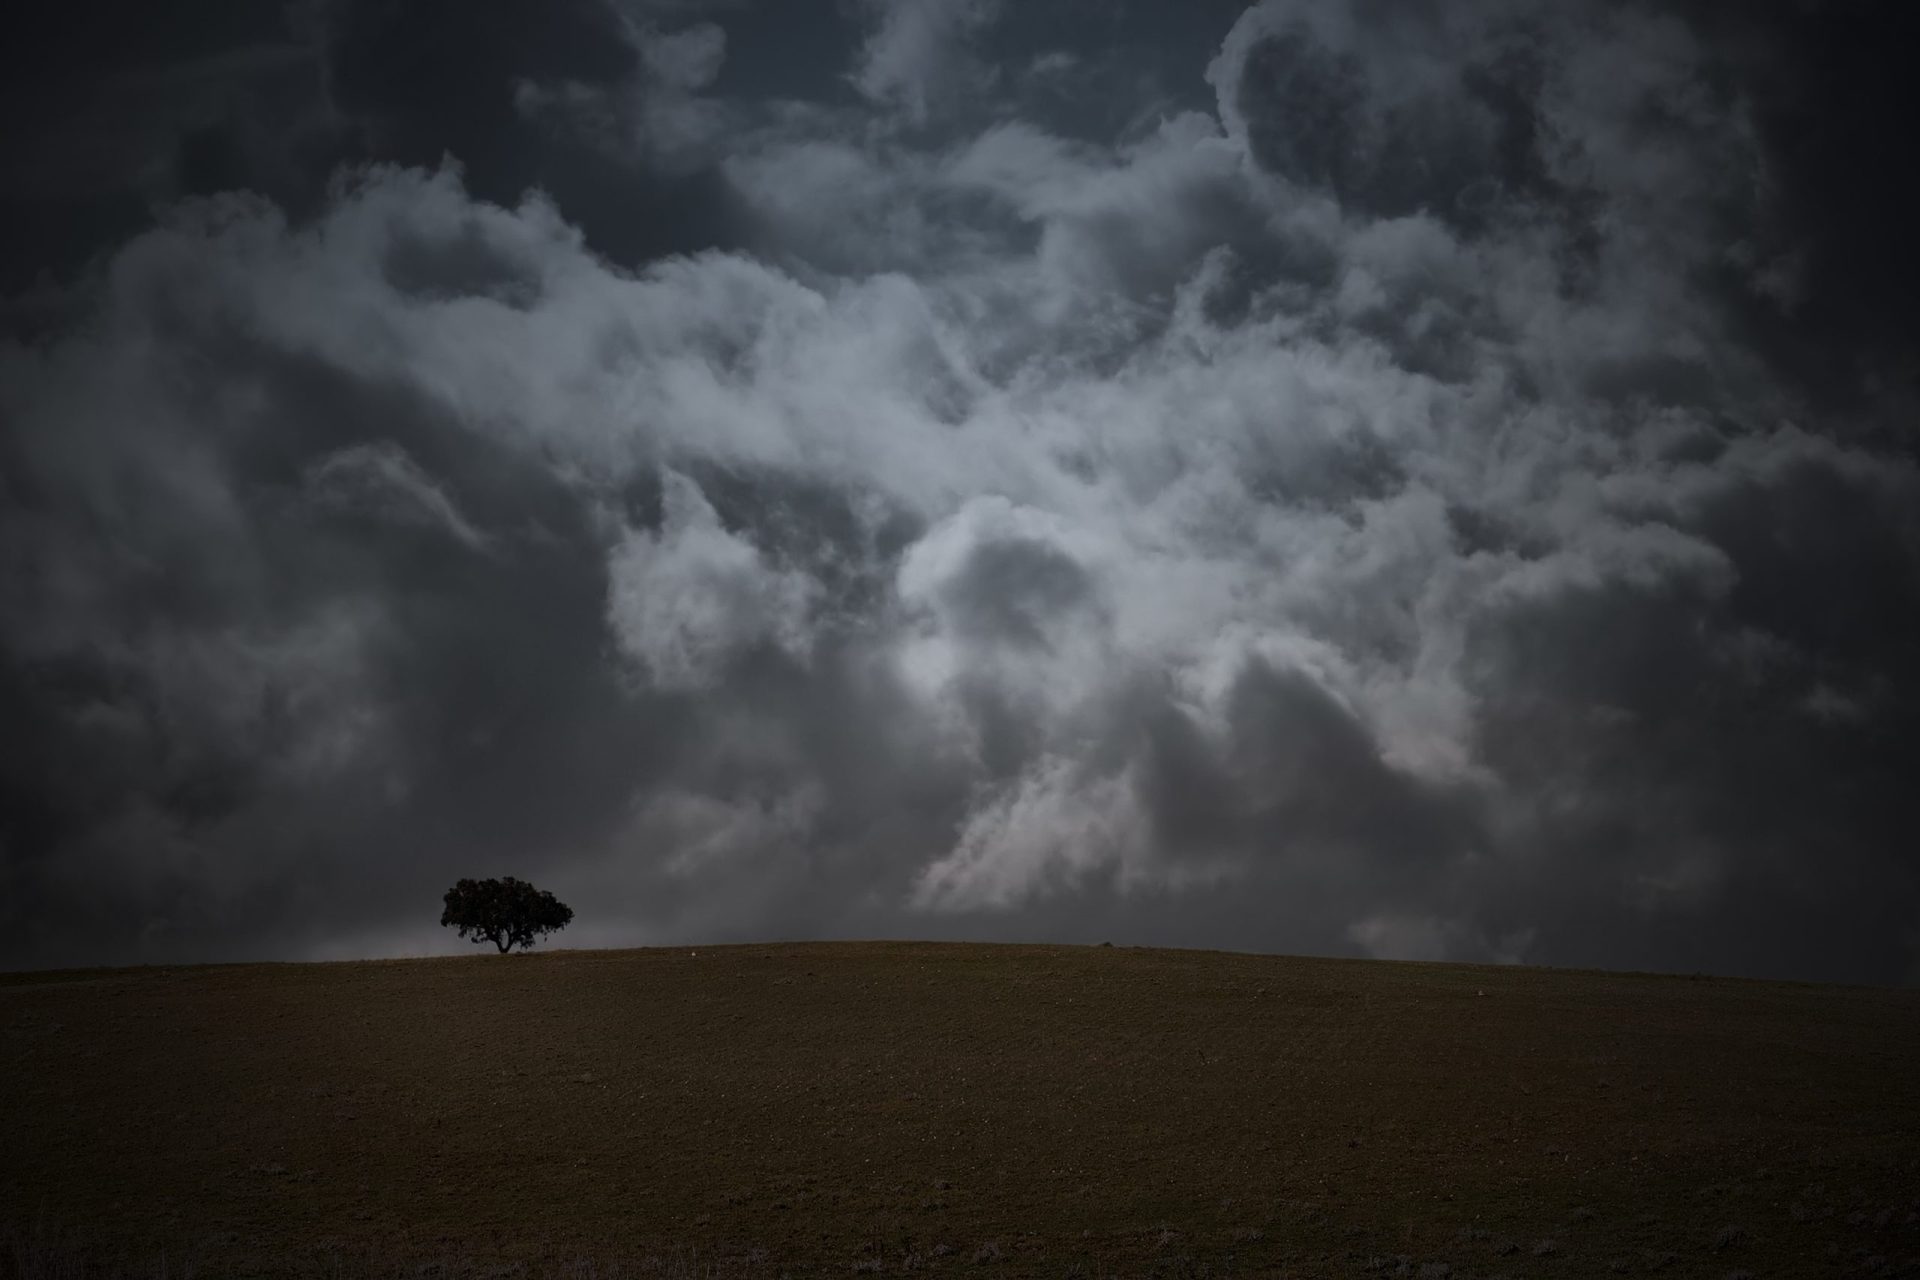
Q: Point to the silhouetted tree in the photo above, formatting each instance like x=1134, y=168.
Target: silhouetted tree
x=507, y=912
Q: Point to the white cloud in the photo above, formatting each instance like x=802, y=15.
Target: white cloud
x=1043, y=835
x=689, y=600
x=915, y=56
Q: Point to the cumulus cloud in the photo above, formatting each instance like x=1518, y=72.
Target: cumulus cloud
x=1042, y=834
x=915, y=55
x=1358, y=511
x=690, y=599
x=1005, y=593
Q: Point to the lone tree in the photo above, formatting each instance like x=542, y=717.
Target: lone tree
x=507, y=912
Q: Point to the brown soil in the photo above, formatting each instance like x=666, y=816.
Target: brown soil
x=965, y=1109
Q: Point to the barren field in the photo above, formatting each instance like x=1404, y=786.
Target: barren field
x=965, y=1110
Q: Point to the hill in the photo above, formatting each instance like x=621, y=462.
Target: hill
x=960, y=1109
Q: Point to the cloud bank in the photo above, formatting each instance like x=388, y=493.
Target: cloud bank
x=1359, y=509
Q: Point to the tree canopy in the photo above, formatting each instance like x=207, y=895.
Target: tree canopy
x=506, y=912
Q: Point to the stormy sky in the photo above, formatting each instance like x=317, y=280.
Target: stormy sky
x=1384, y=477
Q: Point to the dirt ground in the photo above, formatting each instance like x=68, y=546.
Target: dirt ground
x=962, y=1109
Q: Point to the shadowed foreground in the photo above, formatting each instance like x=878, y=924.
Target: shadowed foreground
x=975, y=1110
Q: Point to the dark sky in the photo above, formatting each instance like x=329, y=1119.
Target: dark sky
x=1423, y=480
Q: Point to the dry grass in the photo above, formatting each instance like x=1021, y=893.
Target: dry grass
x=846, y=1109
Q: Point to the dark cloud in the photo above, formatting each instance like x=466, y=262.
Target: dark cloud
x=1826, y=95
x=1409, y=480
x=131, y=110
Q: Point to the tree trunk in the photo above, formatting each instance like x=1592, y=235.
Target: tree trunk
x=505, y=946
